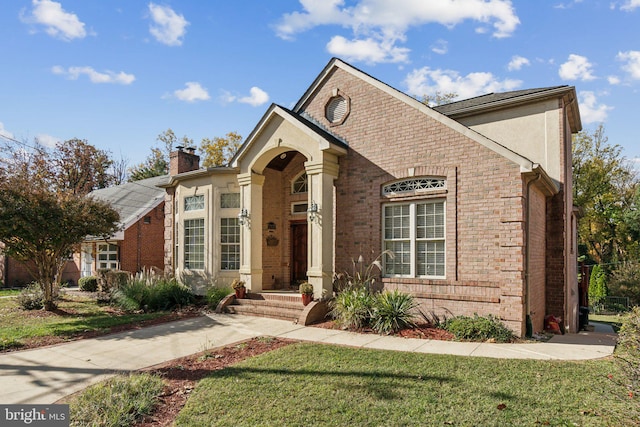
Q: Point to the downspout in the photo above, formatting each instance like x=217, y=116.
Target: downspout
x=527, y=275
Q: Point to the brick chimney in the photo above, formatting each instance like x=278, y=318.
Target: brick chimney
x=183, y=160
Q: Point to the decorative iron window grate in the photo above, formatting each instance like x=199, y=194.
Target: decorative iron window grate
x=414, y=184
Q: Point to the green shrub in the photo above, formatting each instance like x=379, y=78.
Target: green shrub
x=110, y=280
x=216, y=294
x=478, y=328
x=392, y=311
x=31, y=297
x=352, y=307
x=628, y=349
x=88, y=283
x=597, y=288
x=118, y=401
x=150, y=293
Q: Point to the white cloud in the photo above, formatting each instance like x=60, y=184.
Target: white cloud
x=192, y=92
x=630, y=5
x=590, y=110
x=425, y=81
x=367, y=50
x=168, y=27
x=440, y=47
x=47, y=140
x=378, y=25
x=576, y=68
x=73, y=73
x=517, y=62
x=57, y=22
x=256, y=97
x=631, y=61
x=613, y=80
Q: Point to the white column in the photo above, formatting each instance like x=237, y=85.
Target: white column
x=320, y=259
x=250, y=231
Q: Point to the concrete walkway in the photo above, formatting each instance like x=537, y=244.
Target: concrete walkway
x=45, y=375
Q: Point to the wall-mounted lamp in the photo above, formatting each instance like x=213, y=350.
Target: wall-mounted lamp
x=243, y=217
x=312, y=211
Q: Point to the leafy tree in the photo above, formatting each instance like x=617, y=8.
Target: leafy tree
x=597, y=286
x=606, y=188
x=219, y=151
x=157, y=163
x=80, y=167
x=42, y=221
x=439, y=98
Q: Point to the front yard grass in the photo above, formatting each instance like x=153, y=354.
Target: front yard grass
x=314, y=384
x=9, y=292
x=75, y=315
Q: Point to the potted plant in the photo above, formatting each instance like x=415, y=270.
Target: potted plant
x=306, y=290
x=238, y=287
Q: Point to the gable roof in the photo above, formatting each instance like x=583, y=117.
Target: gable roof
x=322, y=136
x=495, y=101
x=133, y=199
x=525, y=164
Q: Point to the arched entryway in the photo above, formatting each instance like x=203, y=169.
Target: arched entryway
x=269, y=203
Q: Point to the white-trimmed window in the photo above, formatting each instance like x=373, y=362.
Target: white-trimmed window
x=415, y=233
x=194, y=203
x=194, y=244
x=300, y=184
x=229, y=244
x=108, y=256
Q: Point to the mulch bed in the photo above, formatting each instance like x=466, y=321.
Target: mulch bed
x=421, y=331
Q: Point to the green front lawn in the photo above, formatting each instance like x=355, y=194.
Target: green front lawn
x=615, y=320
x=9, y=292
x=75, y=315
x=313, y=384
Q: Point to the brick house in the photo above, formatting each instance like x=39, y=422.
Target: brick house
x=139, y=244
x=473, y=198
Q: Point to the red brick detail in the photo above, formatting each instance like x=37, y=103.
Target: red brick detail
x=183, y=161
x=484, y=198
x=143, y=244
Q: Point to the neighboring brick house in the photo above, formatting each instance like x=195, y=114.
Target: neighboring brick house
x=473, y=198
x=139, y=245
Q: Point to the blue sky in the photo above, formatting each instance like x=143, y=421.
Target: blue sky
x=119, y=72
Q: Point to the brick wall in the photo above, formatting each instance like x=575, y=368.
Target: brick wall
x=277, y=200
x=537, y=258
x=484, y=200
x=555, y=294
x=143, y=244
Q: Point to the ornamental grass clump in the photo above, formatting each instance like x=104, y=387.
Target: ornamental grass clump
x=216, y=294
x=478, y=328
x=32, y=297
x=392, y=312
x=352, y=308
x=152, y=293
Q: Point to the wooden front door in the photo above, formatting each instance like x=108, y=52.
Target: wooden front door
x=298, y=252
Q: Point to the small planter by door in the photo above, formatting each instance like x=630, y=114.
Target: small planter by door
x=307, y=298
x=241, y=293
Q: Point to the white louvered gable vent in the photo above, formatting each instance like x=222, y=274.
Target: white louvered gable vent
x=337, y=109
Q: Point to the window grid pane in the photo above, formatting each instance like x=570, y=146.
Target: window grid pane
x=229, y=244
x=427, y=239
x=194, y=203
x=194, y=244
x=230, y=200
